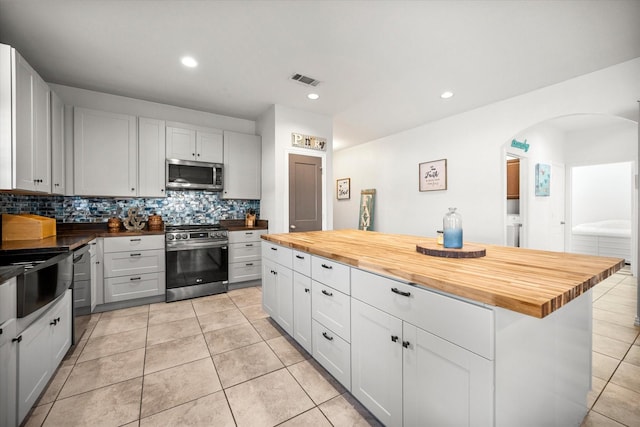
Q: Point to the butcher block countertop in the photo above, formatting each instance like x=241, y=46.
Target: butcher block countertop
x=531, y=282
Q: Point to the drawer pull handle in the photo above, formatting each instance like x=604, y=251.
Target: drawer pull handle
x=399, y=292
x=19, y=339
x=135, y=240
x=324, y=334
x=329, y=294
x=138, y=254
x=249, y=233
x=274, y=249
x=406, y=344
x=394, y=338
x=327, y=266
x=0, y=331
x=249, y=264
x=249, y=244
x=135, y=278
x=306, y=289
x=299, y=257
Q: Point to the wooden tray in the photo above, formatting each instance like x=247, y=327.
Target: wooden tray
x=27, y=227
x=467, y=250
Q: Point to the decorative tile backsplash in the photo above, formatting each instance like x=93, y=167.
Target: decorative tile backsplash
x=179, y=207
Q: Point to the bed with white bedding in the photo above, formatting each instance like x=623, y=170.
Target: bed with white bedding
x=603, y=238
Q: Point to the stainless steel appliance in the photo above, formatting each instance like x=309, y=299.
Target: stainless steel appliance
x=196, y=261
x=190, y=175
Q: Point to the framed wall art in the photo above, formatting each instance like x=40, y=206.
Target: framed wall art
x=543, y=180
x=433, y=175
x=343, y=188
x=365, y=220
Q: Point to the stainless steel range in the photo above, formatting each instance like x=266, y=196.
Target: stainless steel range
x=196, y=260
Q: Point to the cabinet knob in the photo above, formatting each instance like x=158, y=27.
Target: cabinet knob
x=394, y=338
x=307, y=290
x=19, y=339
x=406, y=344
x=133, y=189
x=162, y=190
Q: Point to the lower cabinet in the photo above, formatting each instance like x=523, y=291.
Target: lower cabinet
x=8, y=352
x=332, y=352
x=41, y=348
x=302, y=310
x=277, y=293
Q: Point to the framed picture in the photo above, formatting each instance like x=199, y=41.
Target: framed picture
x=543, y=180
x=433, y=175
x=343, y=188
x=365, y=220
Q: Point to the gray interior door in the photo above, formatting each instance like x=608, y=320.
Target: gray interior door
x=305, y=193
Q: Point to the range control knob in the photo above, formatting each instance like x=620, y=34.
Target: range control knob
x=170, y=237
x=184, y=235
x=178, y=236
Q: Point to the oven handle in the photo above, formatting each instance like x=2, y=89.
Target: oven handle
x=173, y=247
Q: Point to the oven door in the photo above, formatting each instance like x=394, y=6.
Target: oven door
x=196, y=269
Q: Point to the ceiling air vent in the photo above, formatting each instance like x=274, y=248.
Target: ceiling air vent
x=306, y=80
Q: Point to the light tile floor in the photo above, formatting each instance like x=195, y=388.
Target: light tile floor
x=220, y=361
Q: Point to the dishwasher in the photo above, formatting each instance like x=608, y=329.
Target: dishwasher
x=81, y=291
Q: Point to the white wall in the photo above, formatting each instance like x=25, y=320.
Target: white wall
x=472, y=143
x=601, y=192
x=276, y=126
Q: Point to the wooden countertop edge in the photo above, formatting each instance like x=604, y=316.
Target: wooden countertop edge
x=522, y=299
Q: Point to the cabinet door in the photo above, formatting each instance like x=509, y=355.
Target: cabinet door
x=209, y=147
x=8, y=369
x=444, y=384
x=93, y=251
x=376, y=362
x=284, y=286
x=302, y=310
x=57, y=145
x=34, y=363
x=61, y=329
x=105, y=153
x=33, y=133
x=269, y=290
x=181, y=143
x=151, y=153
x=242, y=166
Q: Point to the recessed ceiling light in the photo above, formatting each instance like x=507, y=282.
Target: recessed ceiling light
x=313, y=96
x=446, y=95
x=188, y=61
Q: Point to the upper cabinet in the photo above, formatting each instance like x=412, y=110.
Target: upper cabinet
x=151, y=156
x=25, y=133
x=242, y=166
x=57, y=145
x=187, y=142
x=105, y=153
x=513, y=179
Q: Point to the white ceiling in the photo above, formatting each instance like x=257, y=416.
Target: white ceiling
x=382, y=64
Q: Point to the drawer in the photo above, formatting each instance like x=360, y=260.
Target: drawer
x=243, y=271
x=81, y=293
x=239, y=252
x=8, y=303
x=133, y=243
x=132, y=287
x=333, y=353
x=468, y=325
x=277, y=253
x=244, y=236
x=331, y=273
x=133, y=263
x=302, y=262
x=331, y=308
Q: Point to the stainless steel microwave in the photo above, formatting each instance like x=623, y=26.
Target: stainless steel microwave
x=190, y=175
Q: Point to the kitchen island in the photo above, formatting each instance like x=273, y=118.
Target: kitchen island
x=503, y=339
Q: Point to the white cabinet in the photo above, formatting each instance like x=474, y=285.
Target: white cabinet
x=277, y=284
x=33, y=131
x=41, y=347
x=94, y=260
x=57, y=145
x=134, y=267
x=186, y=142
x=8, y=353
x=151, y=157
x=105, y=153
x=245, y=255
x=302, y=310
x=242, y=166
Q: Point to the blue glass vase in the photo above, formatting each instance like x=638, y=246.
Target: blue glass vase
x=452, y=224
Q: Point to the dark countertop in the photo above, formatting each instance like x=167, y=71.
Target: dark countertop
x=239, y=224
x=9, y=272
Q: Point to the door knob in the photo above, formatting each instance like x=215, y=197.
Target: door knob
x=293, y=227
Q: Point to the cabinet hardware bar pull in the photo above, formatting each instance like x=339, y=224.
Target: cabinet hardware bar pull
x=249, y=232
x=299, y=257
x=135, y=240
x=406, y=344
x=135, y=278
x=274, y=249
x=19, y=339
x=324, y=334
x=0, y=331
x=329, y=294
x=249, y=244
x=327, y=266
x=399, y=292
x=394, y=338
x=249, y=264
x=135, y=254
